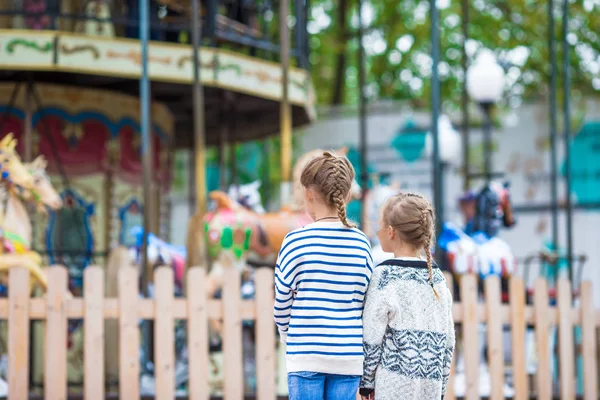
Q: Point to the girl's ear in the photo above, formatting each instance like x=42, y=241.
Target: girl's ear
x=308, y=195
x=348, y=197
x=391, y=233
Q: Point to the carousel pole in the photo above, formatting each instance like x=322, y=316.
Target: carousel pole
x=438, y=196
x=286, y=112
x=364, y=177
x=146, y=131
x=553, y=128
x=223, y=139
x=567, y=133
x=198, y=99
x=28, y=128
x=465, y=98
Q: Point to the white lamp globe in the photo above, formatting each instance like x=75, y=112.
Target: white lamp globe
x=450, y=142
x=485, y=78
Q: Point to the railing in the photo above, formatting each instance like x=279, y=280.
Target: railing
x=259, y=37
x=469, y=313
x=58, y=307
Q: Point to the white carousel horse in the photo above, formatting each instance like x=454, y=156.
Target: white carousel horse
x=248, y=195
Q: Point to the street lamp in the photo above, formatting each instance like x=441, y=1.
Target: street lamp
x=485, y=84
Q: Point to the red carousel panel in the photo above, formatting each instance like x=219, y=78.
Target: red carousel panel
x=130, y=164
x=14, y=125
x=81, y=147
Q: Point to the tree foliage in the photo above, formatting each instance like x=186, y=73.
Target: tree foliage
x=398, y=47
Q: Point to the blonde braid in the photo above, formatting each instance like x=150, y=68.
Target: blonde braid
x=428, y=239
x=337, y=193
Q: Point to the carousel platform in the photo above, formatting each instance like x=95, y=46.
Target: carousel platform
x=236, y=85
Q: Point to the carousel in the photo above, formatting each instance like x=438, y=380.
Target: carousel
x=105, y=97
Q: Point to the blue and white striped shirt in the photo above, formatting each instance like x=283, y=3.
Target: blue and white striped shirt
x=321, y=278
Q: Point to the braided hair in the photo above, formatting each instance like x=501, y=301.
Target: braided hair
x=413, y=218
x=331, y=176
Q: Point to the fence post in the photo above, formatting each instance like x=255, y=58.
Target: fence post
x=588, y=331
x=55, y=368
x=93, y=331
x=233, y=375
x=494, y=330
x=566, y=344
x=468, y=292
x=518, y=325
x=265, y=335
x=542, y=333
x=18, y=334
x=164, y=337
x=450, y=387
x=197, y=333
x=129, y=334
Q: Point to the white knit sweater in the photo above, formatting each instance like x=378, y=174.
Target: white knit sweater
x=408, y=333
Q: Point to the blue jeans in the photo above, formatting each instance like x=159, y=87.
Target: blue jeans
x=318, y=386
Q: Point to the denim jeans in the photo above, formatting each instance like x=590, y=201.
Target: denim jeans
x=318, y=386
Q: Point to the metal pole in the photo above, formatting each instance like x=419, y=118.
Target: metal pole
x=438, y=195
x=223, y=139
x=299, y=34
x=146, y=134
x=465, y=98
x=28, y=139
x=286, y=112
x=198, y=100
x=144, y=31
x=567, y=133
x=362, y=115
x=487, y=143
x=306, y=38
x=553, y=130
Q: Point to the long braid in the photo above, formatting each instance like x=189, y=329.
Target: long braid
x=428, y=240
x=337, y=194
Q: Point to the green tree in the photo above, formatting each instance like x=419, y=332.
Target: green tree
x=398, y=47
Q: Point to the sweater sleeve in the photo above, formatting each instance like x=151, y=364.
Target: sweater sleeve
x=375, y=322
x=449, y=352
x=284, y=292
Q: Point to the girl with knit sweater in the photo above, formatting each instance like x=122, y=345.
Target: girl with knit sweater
x=408, y=325
x=321, y=277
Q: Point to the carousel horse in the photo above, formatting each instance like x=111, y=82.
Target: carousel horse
x=248, y=196
x=29, y=182
x=22, y=182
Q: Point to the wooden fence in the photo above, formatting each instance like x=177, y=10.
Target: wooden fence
x=57, y=307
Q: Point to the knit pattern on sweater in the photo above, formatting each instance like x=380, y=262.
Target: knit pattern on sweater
x=408, y=334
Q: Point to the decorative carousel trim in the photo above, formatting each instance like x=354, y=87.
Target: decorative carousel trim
x=31, y=44
x=80, y=49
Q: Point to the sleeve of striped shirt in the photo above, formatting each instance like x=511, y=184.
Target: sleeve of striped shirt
x=369, y=264
x=375, y=321
x=284, y=292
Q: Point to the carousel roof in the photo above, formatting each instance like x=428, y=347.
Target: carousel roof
x=241, y=92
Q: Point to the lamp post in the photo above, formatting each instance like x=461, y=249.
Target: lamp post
x=485, y=84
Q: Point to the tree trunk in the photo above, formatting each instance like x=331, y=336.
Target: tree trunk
x=337, y=96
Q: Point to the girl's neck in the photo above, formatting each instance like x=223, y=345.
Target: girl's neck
x=405, y=252
x=325, y=214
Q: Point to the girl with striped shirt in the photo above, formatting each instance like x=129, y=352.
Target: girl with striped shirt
x=321, y=277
